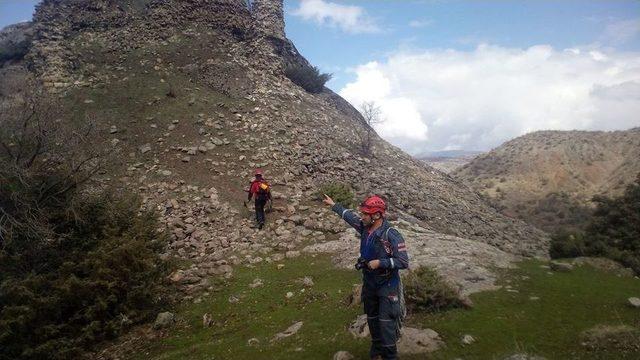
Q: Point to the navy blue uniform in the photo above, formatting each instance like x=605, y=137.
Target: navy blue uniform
x=380, y=287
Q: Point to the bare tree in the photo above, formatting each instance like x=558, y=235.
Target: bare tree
x=372, y=115
x=43, y=155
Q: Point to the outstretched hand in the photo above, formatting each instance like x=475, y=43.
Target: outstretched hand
x=327, y=200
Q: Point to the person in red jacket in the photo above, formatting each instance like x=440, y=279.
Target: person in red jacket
x=261, y=190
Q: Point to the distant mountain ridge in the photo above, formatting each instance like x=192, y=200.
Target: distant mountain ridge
x=448, y=161
x=448, y=154
x=546, y=177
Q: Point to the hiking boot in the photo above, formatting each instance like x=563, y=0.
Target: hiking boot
x=260, y=225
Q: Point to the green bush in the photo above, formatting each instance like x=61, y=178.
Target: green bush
x=340, y=193
x=613, y=231
x=566, y=245
x=74, y=272
x=426, y=290
x=308, y=77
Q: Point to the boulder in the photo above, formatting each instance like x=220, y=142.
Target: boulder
x=604, y=336
x=605, y=265
x=164, y=320
x=560, y=266
x=342, y=355
x=524, y=357
x=359, y=327
x=418, y=341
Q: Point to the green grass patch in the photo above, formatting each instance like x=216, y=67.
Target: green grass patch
x=265, y=311
x=503, y=322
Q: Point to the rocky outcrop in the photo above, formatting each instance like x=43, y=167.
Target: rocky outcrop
x=15, y=41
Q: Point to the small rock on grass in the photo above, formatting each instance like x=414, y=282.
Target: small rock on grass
x=359, y=327
x=342, y=355
x=419, y=341
x=207, y=320
x=560, y=266
x=524, y=357
x=468, y=339
x=307, y=281
x=291, y=330
x=163, y=320
x=634, y=301
x=257, y=282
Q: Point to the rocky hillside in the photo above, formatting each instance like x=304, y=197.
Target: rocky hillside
x=188, y=96
x=548, y=177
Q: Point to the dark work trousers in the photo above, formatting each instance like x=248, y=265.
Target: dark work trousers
x=260, y=210
x=382, y=307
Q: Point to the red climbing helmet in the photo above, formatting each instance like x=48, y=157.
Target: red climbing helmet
x=258, y=172
x=373, y=204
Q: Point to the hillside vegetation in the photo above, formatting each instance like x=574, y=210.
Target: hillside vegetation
x=613, y=231
x=549, y=177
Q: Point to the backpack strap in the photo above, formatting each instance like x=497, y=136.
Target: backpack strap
x=386, y=234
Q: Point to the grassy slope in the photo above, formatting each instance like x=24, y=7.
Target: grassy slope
x=264, y=311
x=503, y=322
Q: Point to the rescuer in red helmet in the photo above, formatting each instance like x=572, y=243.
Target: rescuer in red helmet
x=261, y=189
x=382, y=253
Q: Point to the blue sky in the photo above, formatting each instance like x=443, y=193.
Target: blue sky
x=451, y=74
x=13, y=11
x=457, y=25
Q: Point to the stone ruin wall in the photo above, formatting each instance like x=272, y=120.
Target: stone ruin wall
x=269, y=16
x=57, y=21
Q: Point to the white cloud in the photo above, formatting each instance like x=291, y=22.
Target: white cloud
x=420, y=23
x=449, y=99
x=398, y=112
x=351, y=19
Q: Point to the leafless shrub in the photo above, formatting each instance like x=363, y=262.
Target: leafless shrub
x=43, y=156
x=372, y=115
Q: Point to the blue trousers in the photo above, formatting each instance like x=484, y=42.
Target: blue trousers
x=260, y=210
x=382, y=307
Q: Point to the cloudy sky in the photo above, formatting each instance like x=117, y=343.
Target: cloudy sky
x=469, y=75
